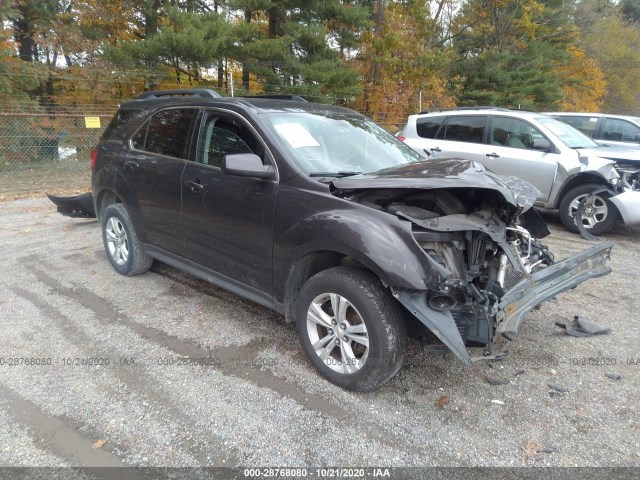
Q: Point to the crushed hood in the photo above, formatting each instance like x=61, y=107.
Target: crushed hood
x=444, y=173
x=617, y=154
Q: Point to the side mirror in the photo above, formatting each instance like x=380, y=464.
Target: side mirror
x=246, y=165
x=541, y=144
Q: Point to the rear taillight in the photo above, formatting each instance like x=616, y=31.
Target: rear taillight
x=402, y=139
x=94, y=157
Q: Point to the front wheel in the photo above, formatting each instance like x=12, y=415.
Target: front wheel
x=350, y=328
x=600, y=214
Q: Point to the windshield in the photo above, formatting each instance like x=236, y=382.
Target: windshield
x=337, y=144
x=570, y=136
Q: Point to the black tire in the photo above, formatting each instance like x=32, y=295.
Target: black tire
x=368, y=303
x=604, y=222
x=121, y=243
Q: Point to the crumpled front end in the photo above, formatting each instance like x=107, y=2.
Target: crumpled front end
x=479, y=232
x=498, y=274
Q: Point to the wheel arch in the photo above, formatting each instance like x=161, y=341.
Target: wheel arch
x=308, y=265
x=577, y=180
x=105, y=198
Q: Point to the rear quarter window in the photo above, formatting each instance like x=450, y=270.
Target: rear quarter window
x=117, y=128
x=428, y=127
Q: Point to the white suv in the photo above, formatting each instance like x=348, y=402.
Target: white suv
x=568, y=168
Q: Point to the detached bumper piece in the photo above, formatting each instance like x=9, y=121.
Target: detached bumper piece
x=77, y=206
x=549, y=282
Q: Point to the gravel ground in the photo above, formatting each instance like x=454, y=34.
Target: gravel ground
x=259, y=403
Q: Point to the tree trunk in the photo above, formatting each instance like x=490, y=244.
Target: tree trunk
x=245, y=67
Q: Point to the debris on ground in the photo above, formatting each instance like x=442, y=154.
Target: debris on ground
x=557, y=388
x=584, y=327
x=613, y=376
x=495, y=381
x=442, y=401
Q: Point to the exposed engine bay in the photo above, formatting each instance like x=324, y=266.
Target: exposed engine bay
x=493, y=268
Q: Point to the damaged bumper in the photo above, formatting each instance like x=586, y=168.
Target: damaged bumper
x=516, y=303
x=549, y=282
x=77, y=206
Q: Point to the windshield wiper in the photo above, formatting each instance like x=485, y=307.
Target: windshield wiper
x=334, y=174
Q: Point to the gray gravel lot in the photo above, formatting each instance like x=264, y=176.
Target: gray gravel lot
x=259, y=402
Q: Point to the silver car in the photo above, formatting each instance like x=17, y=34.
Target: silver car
x=569, y=169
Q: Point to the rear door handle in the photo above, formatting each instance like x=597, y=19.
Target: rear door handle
x=492, y=155
x=195, y=185
x=435, y=149
x=132, y=164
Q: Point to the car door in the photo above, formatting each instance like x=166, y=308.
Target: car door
x=460, y=136
x=510, y=151
x=228, y=220
x=153, y=165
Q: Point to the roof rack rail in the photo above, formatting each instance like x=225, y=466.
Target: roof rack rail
x=185, y=92
x=293, y=98
x=485, y=107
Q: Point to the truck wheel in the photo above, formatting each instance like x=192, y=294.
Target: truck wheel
x=121, y=242
x=351, y=328
x=600, y=214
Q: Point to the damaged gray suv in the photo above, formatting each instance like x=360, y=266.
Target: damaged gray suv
x=320, y=214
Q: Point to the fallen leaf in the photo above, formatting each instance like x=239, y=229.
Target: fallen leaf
x=99, y=444
x=442, y=401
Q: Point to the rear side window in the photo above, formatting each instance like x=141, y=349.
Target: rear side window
x=166, y=133
x=427, y=127
x=464, y=129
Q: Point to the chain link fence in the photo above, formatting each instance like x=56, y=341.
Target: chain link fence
x=47, y=152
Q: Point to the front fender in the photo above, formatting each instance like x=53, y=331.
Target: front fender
x=309, y=222
x=381, y=242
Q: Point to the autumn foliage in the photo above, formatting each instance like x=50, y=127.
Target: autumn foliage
x=384, y=58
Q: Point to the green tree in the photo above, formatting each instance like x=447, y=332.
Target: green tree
x=509, y=52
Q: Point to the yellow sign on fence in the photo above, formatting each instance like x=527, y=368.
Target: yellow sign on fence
x=92, y=122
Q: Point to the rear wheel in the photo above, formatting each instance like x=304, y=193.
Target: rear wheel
x=350, y=328
x=600, y=214
x=121, y=242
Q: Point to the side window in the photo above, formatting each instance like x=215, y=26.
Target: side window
x=137, y=141
x=619, y=130
x=166, y=133
x=222, y=136
x=464, y=129
x=514, y=133
x=586, y=125
x=427, y=127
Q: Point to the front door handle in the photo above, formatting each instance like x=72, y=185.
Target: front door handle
x=435, y=149
x=492, y=155
x=194, y=185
